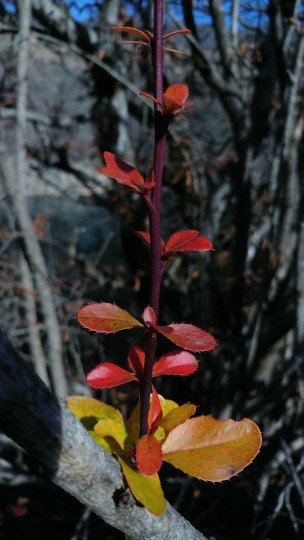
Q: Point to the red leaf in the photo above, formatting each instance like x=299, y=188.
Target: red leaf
x=179, y=239
x=188, y=336
x=136, y=360
x=175, y=363
x=155, y=412
x=148, y=455
x=122, y=172
x=106, y=318
x=198, y=244
x=146, y=237
x=19, y=511
x=108, y=375
x=149, y=316
x=175, y=98
x=188, y=240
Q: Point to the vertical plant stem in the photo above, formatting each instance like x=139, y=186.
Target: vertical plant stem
x=161, y=123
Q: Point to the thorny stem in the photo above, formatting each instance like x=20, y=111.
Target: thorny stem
x=161, y=123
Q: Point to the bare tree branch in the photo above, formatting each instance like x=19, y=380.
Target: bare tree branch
x=15, y=178
x=45, y=427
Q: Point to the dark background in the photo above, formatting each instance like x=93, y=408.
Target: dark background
x=234, y=171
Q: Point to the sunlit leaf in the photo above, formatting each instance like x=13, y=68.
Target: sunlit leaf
x=136, y=360
x=84, y=406
x=212, y=449
x=167, y=405
x=148, y=316
x=106, y=318
x=148, y=455
x=109, y=428
x=188, y=336
x=107, y=375
x=89, y=411
x=146, y=489
x=175, y=363
x=177, y=416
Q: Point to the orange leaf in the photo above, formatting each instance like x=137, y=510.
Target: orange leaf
x=177, y=416
x=145, y=35
x=106, y=318
x=175, y=98
x=148, y=455
x=149, y=96
x=175, y=32
x=212, y=449
x=187, y=336
x=146, y=489
x=177, y=92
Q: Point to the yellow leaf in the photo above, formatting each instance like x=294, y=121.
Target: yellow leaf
x=212, y=449
x=132, y=427
x=90, y=411
x=110, y=428
x=160, y=434
x=85, y=407
x=146, y=489
x=167, y=405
